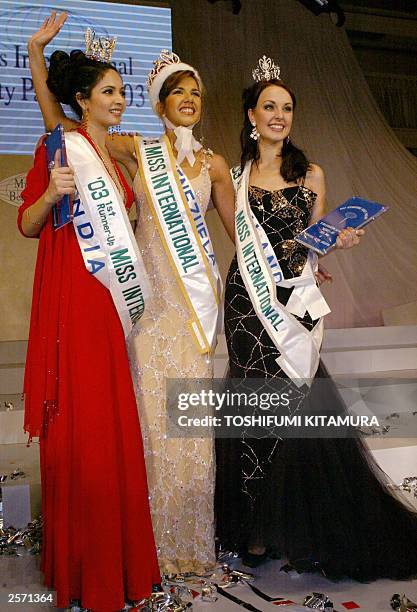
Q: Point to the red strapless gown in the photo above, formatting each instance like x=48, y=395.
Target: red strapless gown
x=98, y=544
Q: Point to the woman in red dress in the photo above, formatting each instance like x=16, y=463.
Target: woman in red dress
x=98, y=545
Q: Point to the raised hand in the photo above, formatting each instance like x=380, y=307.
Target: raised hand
x=61, y=181
x=349, y=238
x=48, y=30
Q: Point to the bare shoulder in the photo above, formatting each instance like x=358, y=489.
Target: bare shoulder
x=315, y=173
x=315, y=178
x=218, y=166
x=69, y=124
x=121, y=146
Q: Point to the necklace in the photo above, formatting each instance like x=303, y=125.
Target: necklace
x=113, y=172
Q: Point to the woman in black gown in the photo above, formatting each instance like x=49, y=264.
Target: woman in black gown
x=320, y=503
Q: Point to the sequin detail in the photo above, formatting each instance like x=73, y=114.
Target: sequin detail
x=251, y=351
x=282, y=206
x=180, y=471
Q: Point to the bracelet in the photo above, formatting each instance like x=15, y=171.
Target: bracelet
x=31, y=221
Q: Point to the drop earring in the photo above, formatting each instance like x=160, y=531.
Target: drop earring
x=254, y=133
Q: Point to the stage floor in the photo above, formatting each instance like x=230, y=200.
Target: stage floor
x=396, y=456
x=20, y=574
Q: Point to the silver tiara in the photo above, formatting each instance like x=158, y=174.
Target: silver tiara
x=166, y=58
x=266, y=70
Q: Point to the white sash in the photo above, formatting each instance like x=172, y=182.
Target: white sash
x=306, y=296
x=104, y=233
x=260, y=270
x=201, y=226
x=184, y=236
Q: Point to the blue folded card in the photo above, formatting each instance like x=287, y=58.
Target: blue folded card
x=62, y=210
x=355, y=213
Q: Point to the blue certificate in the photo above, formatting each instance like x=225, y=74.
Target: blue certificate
x=62, y=210
x=355, y=213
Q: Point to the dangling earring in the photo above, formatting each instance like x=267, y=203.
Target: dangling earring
x=254, y=133
x=84, y=120
x=287, y=140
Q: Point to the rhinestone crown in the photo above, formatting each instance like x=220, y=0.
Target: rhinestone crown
x=99, y=48
x=166, y=58
x=266, y=70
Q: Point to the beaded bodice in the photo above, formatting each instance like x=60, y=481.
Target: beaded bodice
x=284, y=213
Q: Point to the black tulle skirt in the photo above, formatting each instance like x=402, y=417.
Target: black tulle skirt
x=316, y=502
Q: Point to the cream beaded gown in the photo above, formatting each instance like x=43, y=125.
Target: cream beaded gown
x=180, y=471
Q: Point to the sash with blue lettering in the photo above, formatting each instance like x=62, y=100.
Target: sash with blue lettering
x=104, y=233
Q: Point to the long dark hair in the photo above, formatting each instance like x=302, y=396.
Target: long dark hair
x=72, y=74
x=294, y=163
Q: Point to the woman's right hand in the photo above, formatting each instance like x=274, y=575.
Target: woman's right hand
x=61, y=181
x=48, y=30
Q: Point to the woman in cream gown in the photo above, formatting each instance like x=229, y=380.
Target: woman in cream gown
x=180, y=471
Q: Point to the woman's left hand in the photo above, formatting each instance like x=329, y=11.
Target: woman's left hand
x=349, y=238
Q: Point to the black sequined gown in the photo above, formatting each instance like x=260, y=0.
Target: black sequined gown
x=320, y=501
